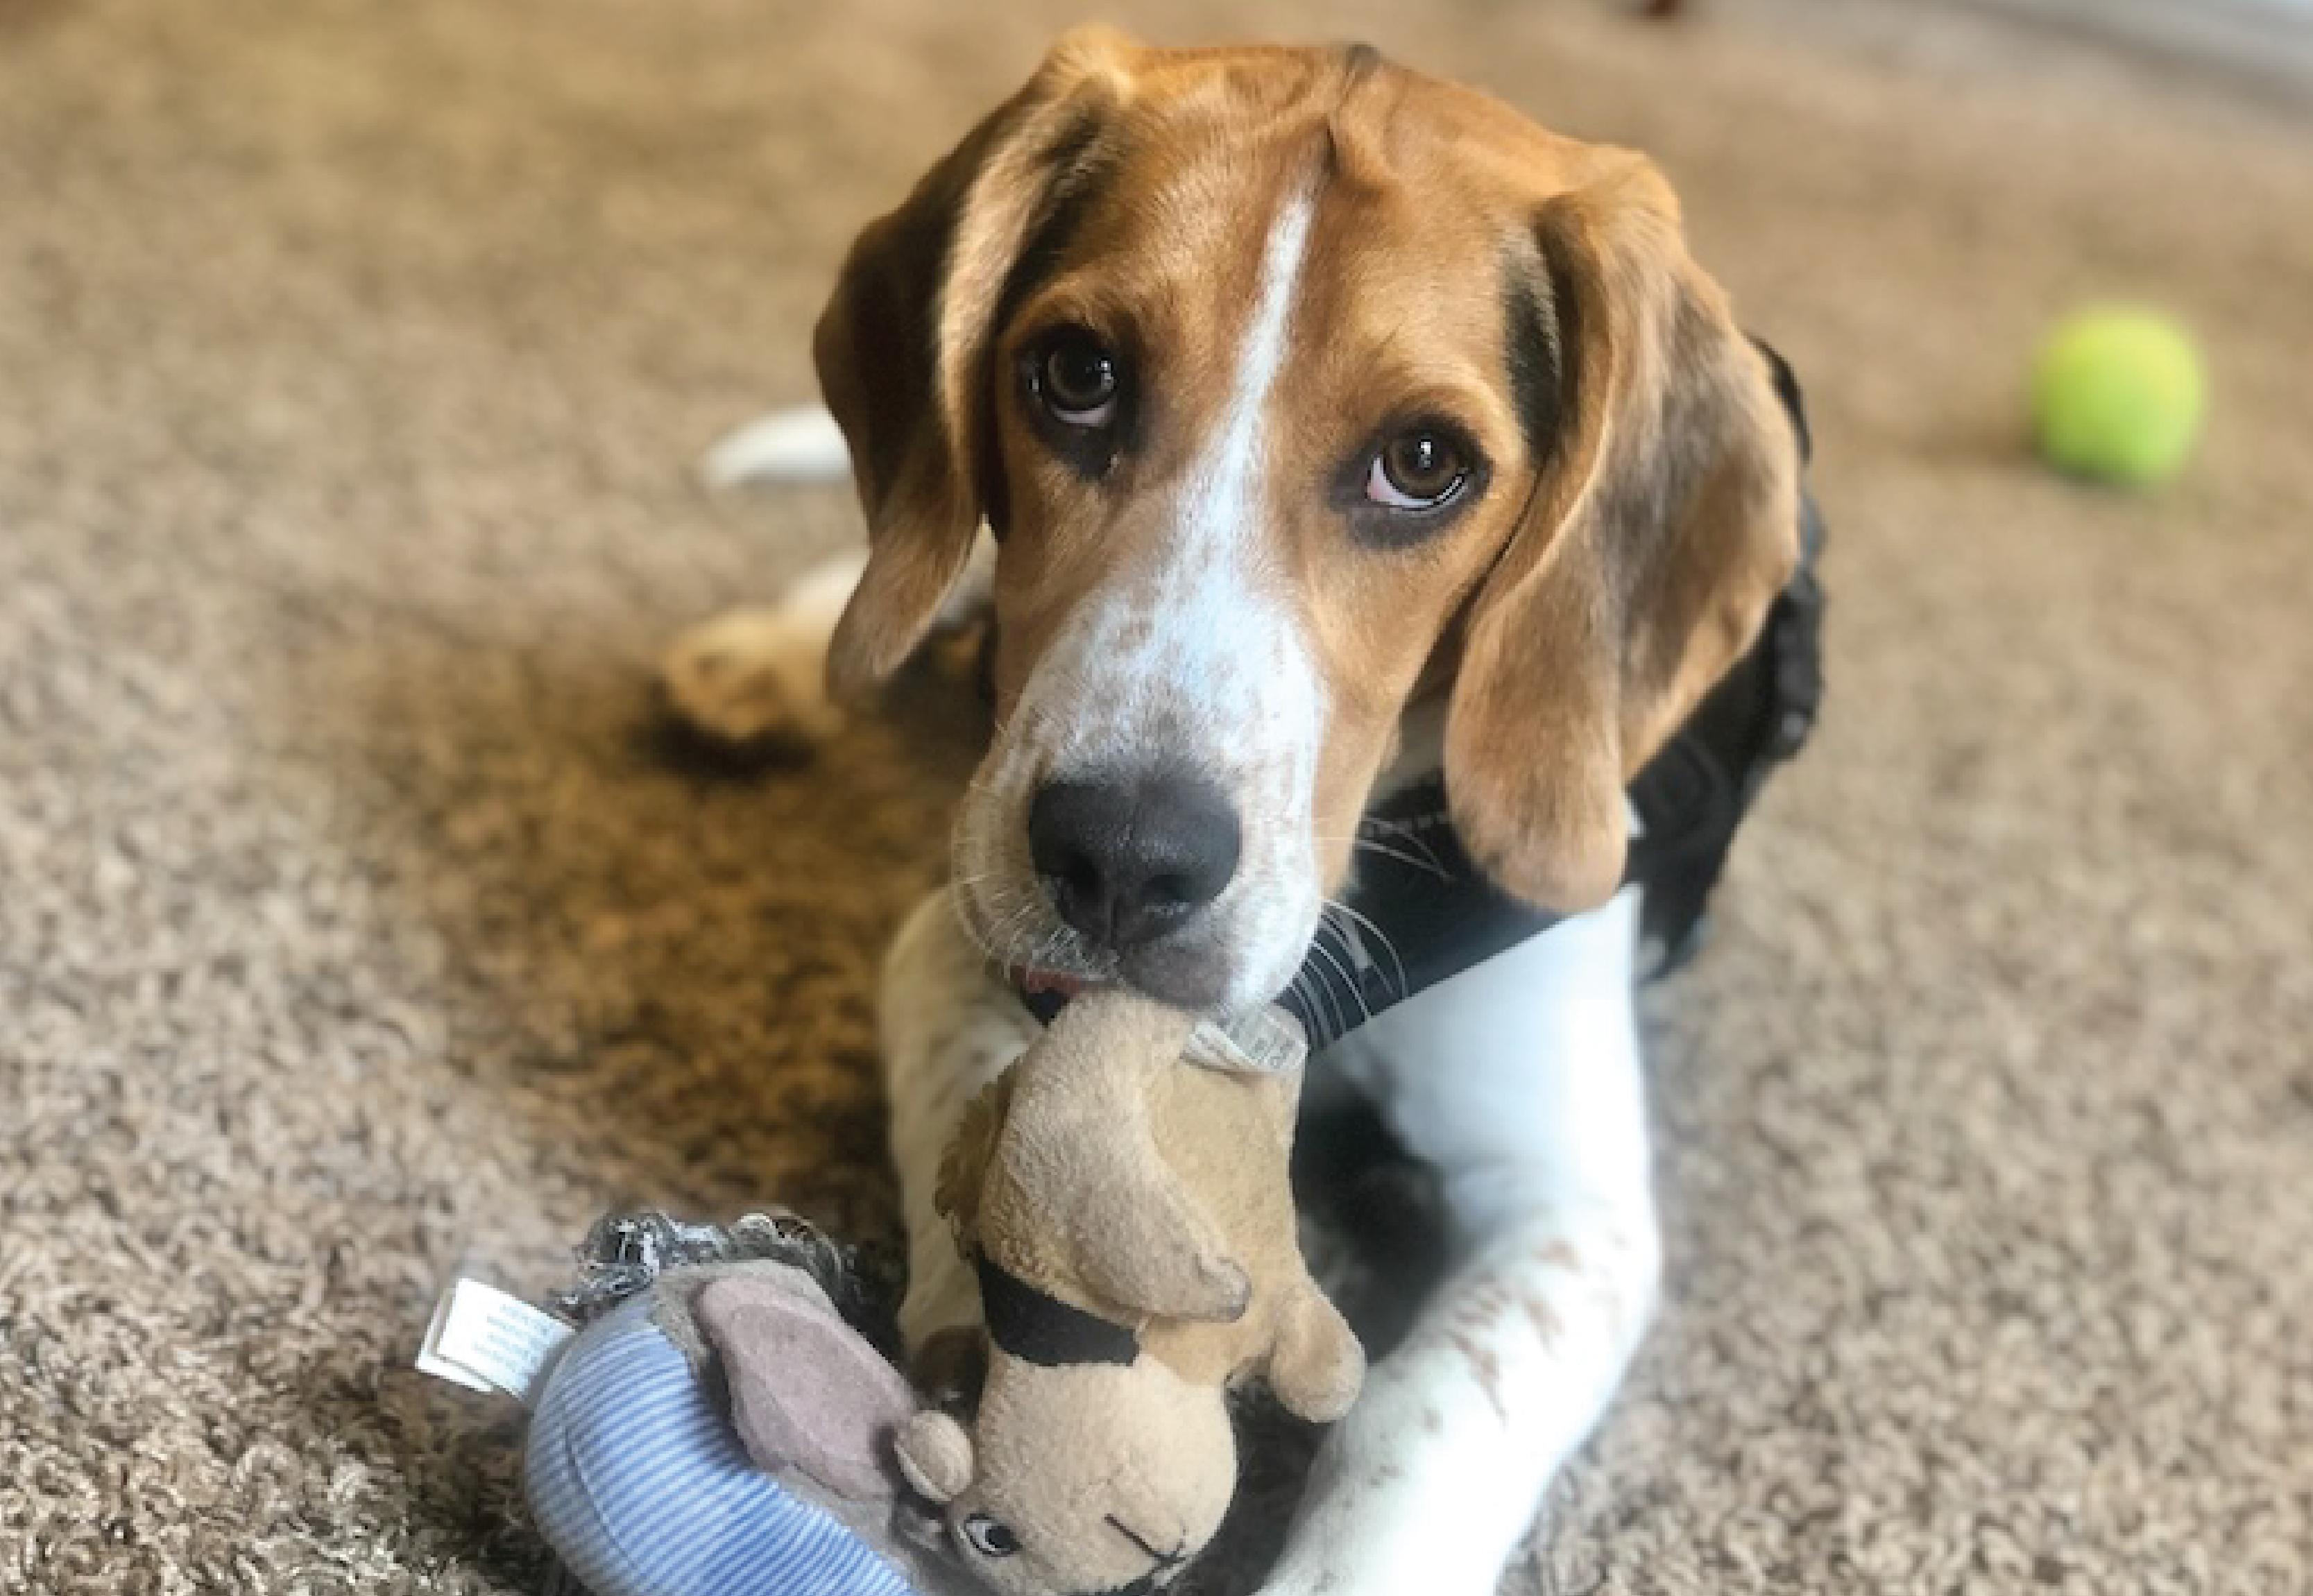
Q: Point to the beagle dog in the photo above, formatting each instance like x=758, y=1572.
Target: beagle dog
x=1335, y=426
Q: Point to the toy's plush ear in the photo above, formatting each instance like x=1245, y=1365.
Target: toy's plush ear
x=808, y=1391
x=1129, y=1231
x=1146, y=1248
x=934, y=1454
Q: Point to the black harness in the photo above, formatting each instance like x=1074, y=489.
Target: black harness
x=1416, y=887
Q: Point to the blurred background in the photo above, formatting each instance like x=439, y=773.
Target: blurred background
x=354, y=360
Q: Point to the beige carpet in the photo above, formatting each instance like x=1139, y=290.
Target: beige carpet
x=352, y=360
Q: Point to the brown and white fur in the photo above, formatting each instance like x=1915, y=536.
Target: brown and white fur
x=1294, y=262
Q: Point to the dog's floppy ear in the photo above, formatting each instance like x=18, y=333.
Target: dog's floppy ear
x=1664, y=522
x=903, y=347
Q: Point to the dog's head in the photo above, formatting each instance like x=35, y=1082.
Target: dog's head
x=1295, y=387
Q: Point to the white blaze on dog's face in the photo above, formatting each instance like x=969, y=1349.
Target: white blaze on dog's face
x=1153, y=660
x=1294, y=385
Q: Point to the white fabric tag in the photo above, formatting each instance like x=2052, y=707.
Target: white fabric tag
x=1265, y=1041
x=485, y=1340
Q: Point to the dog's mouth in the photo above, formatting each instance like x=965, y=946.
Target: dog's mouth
x=1192, y=973
x=1190, y=984
x=1046, y=992
x=1255, y=1041
x=1037, y=981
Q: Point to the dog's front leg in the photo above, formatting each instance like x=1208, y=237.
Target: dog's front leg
x=947, y=1028
x=1519, y=1080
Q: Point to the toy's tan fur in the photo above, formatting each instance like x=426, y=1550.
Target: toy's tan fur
x=1105, y=1172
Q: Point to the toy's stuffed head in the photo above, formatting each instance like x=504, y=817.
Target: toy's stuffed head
x=1082, y=1478
x=1131, y=1221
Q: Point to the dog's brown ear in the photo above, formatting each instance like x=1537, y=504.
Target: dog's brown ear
x=902, y=348
x=1665, y=521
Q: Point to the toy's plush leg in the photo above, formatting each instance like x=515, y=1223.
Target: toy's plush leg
x=1151, y=1247
x=948, y=1029
x=1519, y=1080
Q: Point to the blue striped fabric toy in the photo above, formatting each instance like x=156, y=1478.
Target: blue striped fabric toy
x=718, y=1428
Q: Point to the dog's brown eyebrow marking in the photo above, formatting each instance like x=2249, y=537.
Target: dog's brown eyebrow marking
x=1360, y=61
x=1078, y=161
x=1356, y=147
x=1532, y=352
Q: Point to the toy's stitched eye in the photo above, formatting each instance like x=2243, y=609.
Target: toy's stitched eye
x=1078, y=379
x=991, y=1538
x=1418, y=470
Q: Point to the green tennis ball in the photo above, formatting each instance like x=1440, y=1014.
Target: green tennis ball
x=2117, y=396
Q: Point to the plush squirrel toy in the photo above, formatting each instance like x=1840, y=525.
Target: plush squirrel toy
x=728, y=1423
x=1132, y=1222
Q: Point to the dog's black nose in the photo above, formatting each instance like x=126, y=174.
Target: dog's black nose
x=1126, y=859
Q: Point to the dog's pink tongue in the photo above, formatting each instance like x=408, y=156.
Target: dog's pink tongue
x=1048, y=980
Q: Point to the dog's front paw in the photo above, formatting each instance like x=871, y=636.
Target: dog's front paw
x=1290, y=1585
x=751, y=679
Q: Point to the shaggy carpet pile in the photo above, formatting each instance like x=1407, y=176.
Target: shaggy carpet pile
x=354, y=931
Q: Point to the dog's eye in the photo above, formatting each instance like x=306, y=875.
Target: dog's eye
x=1418, y=470
x=991, y=1538
x=1076, y=379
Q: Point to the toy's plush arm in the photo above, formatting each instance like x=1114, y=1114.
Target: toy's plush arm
x=1317, y=1365
x=835, y=1425
x=1080, y=1127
